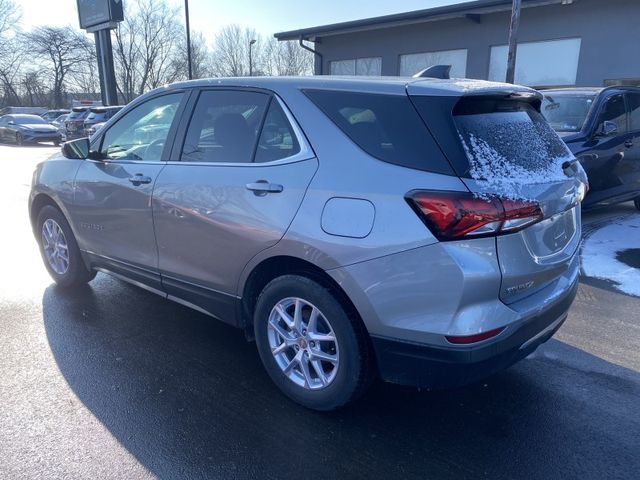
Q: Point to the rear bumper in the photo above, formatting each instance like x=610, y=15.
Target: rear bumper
x=435, y=367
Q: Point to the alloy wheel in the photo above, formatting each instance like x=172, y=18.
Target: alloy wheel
x=55, y=246
x=303, y=343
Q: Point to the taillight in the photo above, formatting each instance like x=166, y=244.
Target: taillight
x=478, y=337
x=454, y=215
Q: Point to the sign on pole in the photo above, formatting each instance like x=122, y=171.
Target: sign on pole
x=100, y=17
x=97, y=12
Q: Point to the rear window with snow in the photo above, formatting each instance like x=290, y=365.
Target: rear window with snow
x=509, y=142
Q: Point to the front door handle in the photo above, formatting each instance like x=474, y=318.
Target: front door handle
x=139, y=179
x=628, y=143
x=262, y=187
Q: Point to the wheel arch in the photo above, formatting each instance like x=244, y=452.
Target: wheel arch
x=273, y=267
x=40, y=201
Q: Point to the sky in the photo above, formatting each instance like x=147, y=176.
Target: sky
x=267, y=17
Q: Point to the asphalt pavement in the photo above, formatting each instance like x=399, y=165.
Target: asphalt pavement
x=111, y=381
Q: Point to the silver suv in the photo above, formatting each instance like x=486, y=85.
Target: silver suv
x=423, y=231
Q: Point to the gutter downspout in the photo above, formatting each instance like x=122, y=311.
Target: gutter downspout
x=315, y=52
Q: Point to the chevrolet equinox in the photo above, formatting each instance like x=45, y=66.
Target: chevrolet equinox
x=424, y=231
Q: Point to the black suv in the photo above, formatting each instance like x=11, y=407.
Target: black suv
x=601, y=126
x=99, y=115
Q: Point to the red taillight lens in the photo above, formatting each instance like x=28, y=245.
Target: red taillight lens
x=467, y=339
x=453, y=215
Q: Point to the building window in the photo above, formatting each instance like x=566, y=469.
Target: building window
x=539, y=64
x=622, y=82
x=359, y=66
x=412, y=63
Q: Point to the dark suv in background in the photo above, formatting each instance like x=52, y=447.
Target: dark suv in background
x=99, y=115
x=74, y=124
x=601, y=126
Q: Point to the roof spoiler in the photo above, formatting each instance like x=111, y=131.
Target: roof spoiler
x=435, y=71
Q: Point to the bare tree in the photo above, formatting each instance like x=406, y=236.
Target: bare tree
x=230, y=57
x=200, y=57
x=9, y=16
x=146, y=45
x=286, y=58
x=11, y=57
x=127, y=56
x=61, y=50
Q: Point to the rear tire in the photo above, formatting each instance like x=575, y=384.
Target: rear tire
x=330, y=356
x=636, y=202
x=59, y=249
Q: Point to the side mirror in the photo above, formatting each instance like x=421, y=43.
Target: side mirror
x=76, y=149
x=11, y=122
x=608, y=129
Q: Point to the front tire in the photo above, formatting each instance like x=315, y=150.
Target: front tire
x=310, y=346
x=19, y=139
x=60, y=251
x=636, y=202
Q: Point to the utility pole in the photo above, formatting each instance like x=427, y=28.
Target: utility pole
x=251, y=42
x=186, y=13
x=513, y=41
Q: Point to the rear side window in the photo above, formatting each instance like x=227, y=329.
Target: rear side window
x=613, y=111
x=277, y=139
x=387, y=127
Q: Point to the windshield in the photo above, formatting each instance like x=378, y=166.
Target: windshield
x=28, y=120
x=75, y=115
x=567, y=113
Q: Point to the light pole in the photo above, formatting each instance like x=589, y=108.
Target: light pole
x=513, y=41
x=186, y=14
x=251, y=42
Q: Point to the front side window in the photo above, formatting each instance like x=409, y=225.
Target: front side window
x=224, y=127
x=613, y=111
x=566, y=113
x=634, y=111
x=143, y=131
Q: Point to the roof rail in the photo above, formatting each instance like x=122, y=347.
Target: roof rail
x=435, y=71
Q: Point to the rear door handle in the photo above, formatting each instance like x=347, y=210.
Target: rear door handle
x=262, y=187
x=628, y=143
x=139, y=179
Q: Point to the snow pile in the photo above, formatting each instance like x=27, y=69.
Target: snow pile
x=507, y=158
x=602, y=249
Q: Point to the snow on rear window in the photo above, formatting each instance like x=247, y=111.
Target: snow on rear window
x=508, y=151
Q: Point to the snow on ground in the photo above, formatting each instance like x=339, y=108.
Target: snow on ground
x=603, y=248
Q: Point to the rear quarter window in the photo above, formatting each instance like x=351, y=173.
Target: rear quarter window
x=386, y=127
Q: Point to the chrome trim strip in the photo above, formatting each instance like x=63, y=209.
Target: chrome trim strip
x=543, y=332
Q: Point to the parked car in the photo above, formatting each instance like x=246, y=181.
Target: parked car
x=74, y=124
x=423, y=230
x=601, y=126
x=20, y=129
x=99, y=115
x=51, y=115
x=94, y=128
x=59, y=123
x=22, y=111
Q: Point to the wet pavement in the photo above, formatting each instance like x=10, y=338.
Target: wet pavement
x=111, y=381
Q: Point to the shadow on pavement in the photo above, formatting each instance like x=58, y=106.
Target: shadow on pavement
x=187, y=396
